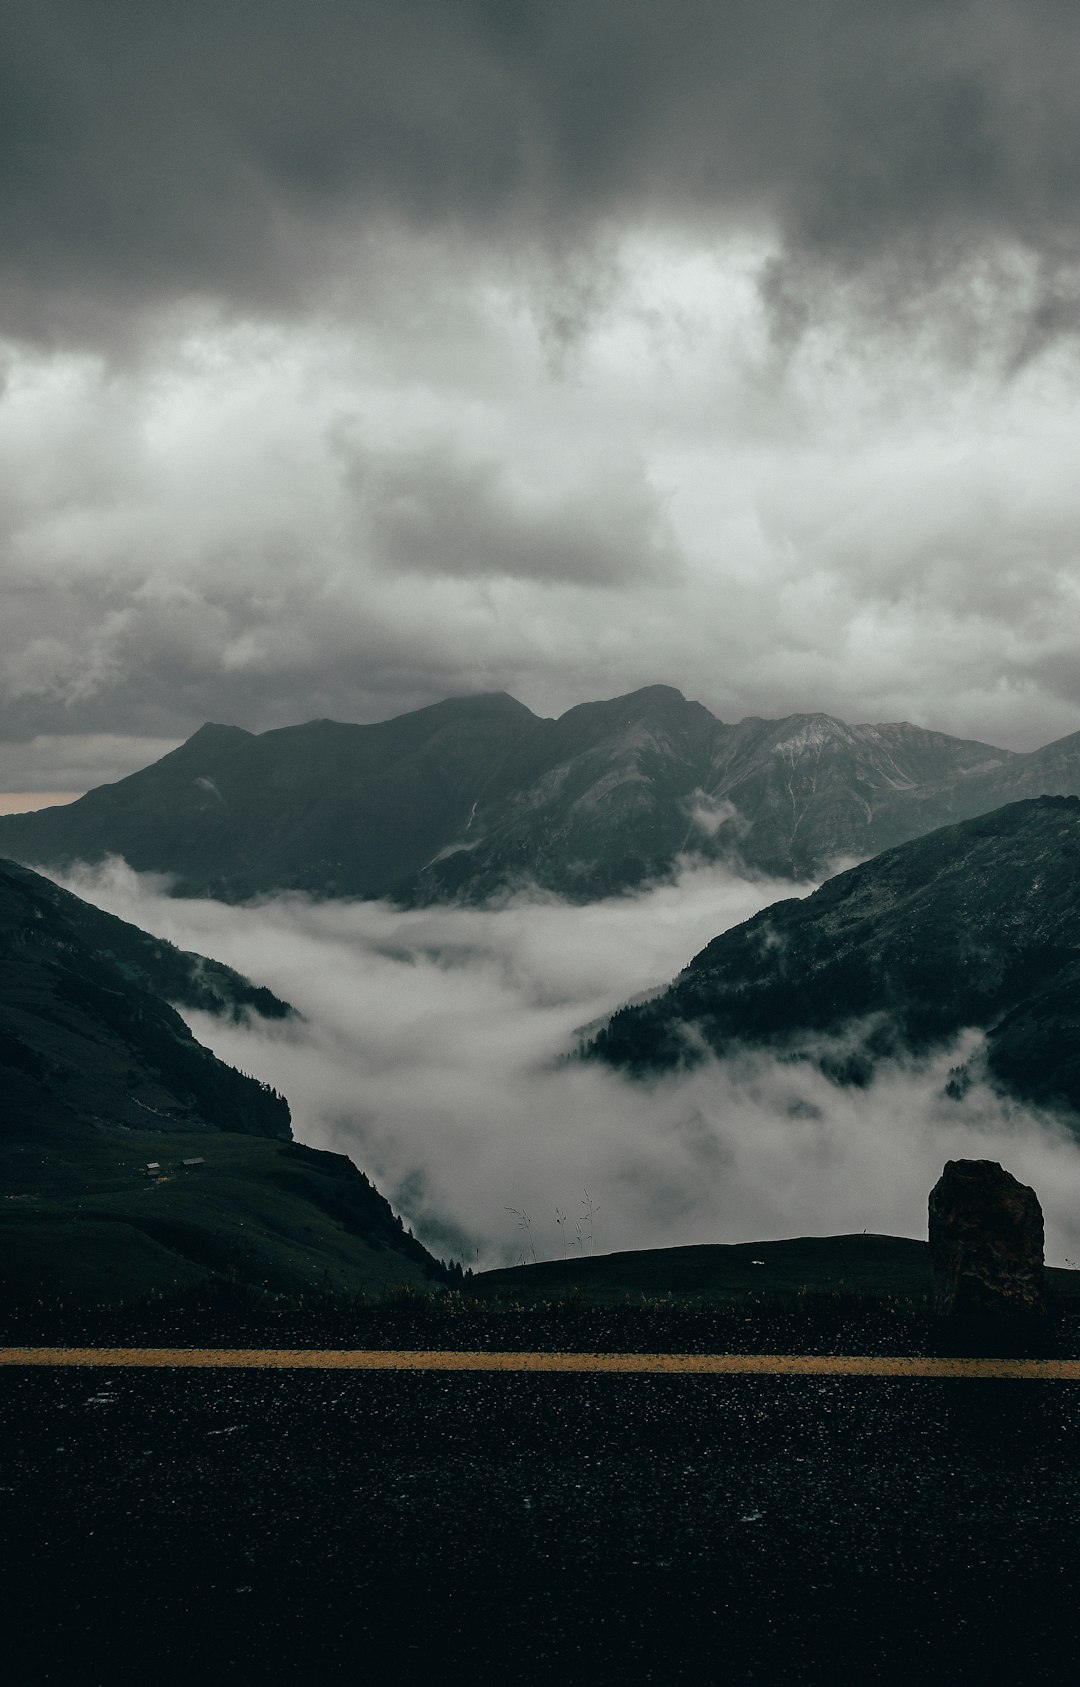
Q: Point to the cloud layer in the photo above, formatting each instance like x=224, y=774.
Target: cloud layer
x=263, y=526
x=431, y=1055
x=358, y=353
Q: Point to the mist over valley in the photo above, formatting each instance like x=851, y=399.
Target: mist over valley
x=433, y=1049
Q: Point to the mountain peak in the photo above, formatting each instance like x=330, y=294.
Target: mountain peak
x=652, y=697
x=486, y=702
x=647, y=700
x=472, y=706
x=464, y=797
x=212, y=732
x=210, y=741
x=817, y=718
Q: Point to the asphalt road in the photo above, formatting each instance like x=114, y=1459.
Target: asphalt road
x=294, y=1527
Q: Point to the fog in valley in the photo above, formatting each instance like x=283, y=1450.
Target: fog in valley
x=432, y=1051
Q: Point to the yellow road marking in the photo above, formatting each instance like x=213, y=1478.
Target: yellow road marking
x=621, y=1364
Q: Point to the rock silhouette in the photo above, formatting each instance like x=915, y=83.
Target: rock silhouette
x=986, y=1243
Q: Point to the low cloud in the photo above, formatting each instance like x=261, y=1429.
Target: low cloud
x=711, y=815
x=430, y=1052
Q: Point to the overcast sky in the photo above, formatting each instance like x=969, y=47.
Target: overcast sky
x=356, y=353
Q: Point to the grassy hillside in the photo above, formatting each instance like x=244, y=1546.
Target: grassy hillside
x=856, y=1268
x=37, y=916
x=87, y=1223
x=854, y=1265
x=99, y=1076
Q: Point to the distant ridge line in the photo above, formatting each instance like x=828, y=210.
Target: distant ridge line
x=474, y=798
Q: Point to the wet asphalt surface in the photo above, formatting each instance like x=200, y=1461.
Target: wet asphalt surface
x=338, y=1527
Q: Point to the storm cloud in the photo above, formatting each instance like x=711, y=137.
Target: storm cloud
x=230, y=152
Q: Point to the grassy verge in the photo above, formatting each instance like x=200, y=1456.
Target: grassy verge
x=226, y=1313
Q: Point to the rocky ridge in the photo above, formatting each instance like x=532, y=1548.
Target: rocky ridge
x=477, y=797
x=976, y=925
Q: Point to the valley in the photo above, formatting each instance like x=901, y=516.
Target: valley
x=437, y=1011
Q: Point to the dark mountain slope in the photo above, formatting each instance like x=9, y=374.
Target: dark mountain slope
x=813, y=788
x=334, y=809
x=32, y=905
x=1053, y=771
x=476, y=796
x=595, y=802
x=99, y=1075
x=977, y=924
x=84, y=1026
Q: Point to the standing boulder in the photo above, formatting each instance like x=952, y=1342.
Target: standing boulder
x=986, y=1243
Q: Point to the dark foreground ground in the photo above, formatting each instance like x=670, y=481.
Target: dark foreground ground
x=330, y=1527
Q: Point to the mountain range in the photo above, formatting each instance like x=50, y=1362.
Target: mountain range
x=975, y=925
x=475, y=797
x=101, y=1079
